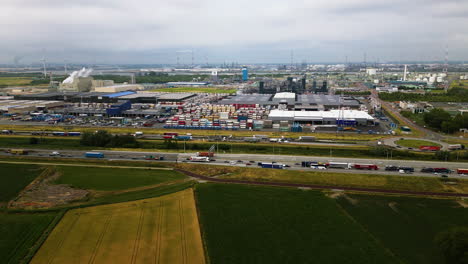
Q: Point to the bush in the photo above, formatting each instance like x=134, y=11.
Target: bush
x=33, y=141
x=102, y=138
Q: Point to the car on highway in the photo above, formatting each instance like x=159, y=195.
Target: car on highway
x=54, y=154
x=318, y=167
x=391, y=168
x=427, y=170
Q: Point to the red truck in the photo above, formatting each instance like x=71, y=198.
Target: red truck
x=365, y=167
x=429, y=148
x=462, y=171
x=205, y=154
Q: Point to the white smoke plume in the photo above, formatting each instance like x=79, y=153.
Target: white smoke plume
x=81, y=73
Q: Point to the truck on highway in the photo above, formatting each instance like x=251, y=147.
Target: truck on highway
x=272, y=165
x=94, y=155
x=18, y=151
x=199, y=159
x=307, y=139
x=338, y=165
x=151, y=157
x=205, y=154
x=184, y=137
x=365, y=167
x=462, y=171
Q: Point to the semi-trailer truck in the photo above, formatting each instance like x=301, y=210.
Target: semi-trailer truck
x=205, y=154
x=199, y=159
x=272, y=165
x=338, y=165
x=462, y=171
x=366, y=167
x=94, y=155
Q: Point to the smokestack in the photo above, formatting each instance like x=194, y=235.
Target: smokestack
x=404, y=74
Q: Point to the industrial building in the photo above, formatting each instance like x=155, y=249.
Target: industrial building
x=307, y=102
x=332, y=117
x=118, y=88
x=25, y=106
x=181, y=84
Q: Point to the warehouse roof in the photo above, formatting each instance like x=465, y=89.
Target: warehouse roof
x=317, y=115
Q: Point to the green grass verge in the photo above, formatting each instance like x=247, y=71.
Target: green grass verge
x=20, y=232
x=308, y=176
x=251, y=224
x=415, y=143
x=406, y=225
x=110, y=179
x=14, y=178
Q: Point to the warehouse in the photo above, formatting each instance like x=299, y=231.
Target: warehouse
x=307, y=102
x=24, y=106
x=332, y=117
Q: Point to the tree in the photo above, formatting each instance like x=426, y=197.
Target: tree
x=453, y=244
x=98, y=139
x=436, y=117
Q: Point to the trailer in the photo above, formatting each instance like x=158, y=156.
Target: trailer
x=18, y=152
x=199, y=159
x=442, y=170
x=365, y=167
x=462, y=171
x=429, y=148
x=338, y=165
x=151, y=157
x=94, y=155
x=184, y=137
x=307, y=139
x=74, y=134
x=175, y=134
x=456, y=147
x=205, y=154
x=272, y=166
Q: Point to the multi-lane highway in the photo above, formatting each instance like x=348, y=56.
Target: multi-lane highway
x=252, y=159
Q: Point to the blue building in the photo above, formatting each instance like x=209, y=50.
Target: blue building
x=245, y=74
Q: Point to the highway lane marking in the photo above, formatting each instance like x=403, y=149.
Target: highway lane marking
x=86, y=165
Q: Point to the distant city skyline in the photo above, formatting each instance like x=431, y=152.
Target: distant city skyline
x=166, y=32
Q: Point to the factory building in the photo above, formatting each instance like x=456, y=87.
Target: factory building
x=80, y=84
x=181, y=84
x=24, y=106
x=118, y=88
x=331, y=117
x=101, y=83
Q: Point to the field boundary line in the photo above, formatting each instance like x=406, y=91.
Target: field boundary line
x=101, y=237
x=159, y=229
x=86, y=165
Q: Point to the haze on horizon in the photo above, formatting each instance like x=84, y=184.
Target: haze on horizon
x=262, y=31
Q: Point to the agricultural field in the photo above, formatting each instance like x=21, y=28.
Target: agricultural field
x=111, y=179
x=331, y=179
x=156, y=230
x=15, y=81
x=196, y=90
x=415, y=143
x=406, y=225
x=14, y=178
x=19, y=232
x=251, y=224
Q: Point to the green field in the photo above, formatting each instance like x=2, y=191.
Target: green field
x=415, y=143
x=14, y=178
x=15, y=81
x=19, y=233
x=195, y=90
x=247, y=224
x=111, y=179
x=405, y=225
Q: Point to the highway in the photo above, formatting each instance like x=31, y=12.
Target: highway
x=292, y=161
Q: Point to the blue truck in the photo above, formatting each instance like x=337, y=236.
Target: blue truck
x=94, y=155
x=272, y=165
x=183, y=137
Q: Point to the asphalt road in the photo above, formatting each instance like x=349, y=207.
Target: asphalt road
x=225, y=159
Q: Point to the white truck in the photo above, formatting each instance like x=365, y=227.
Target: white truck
x=199, y=159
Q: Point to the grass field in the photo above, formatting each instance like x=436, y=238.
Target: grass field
x=308, y=176
x=406, y=225
x=247, y=224
x=15, y=81
x=195, y=90
x=110, y=179
x=157, y=230
x=14, y=178
x=19, y=233
x=415, y=143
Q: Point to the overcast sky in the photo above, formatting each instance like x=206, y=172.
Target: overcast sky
x=246, y=31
